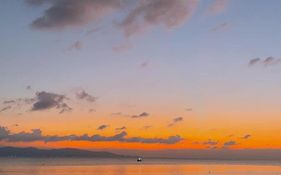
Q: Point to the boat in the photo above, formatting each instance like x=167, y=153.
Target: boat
x=139, y=159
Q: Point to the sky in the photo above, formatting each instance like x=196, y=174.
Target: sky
x=145, y=75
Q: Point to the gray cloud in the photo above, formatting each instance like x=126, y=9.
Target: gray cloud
x=5, y=108
x=254, y=61
x=221, y=27
x=269, y=61
x=217, y=6
x=36, y=135
x=83, y=95
x=121, y=128
x=147, y=127
x=47, y=100
x=141, y=115
x=9, y=101
x=210, y=142
x=72, y=13
x=102, y=127
x=176, y=120
x=229, y=143
x=247, y=136
x=149, y=13
x=77, y=45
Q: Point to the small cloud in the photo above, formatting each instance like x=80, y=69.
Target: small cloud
x=28, y=87
x=217, y=7
x=269, y=61
x=221, y=27
x=9, y=101
x=176, y=120
x=123, y=47
x=141, y=115
x=229, y=143
x=92, y=110
x=254, y=61
x=5, y=108
x=121, y=128
x=83, y=95
x=117, y=113
x=77, y=45
x=147, y=127
x=102, y=127
x=210, y=142
x=247, y=136
x=144, y=64
x=188, y=109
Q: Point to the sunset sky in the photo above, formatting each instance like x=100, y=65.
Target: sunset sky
x=144, y=75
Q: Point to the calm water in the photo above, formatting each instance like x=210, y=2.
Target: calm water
x=17, y=166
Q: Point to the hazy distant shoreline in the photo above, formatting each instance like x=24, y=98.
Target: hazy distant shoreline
x=195, y=155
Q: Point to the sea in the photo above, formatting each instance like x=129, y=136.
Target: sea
x=97, y=166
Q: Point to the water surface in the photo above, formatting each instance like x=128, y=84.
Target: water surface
x=67, y=166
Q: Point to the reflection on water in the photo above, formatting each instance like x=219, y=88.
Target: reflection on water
x=131, y=167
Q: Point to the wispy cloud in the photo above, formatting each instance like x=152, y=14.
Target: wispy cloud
x=269, y=61
x=217, y=6
x=5, y=108
x=77, y=45
x=102, y=127
x=176, y=120
x=210, y=142
x=221, y=27
x=151, y=13
x=83, y=95
x=121, y=128
x=36, y=135
x=229, y=143
x=247, y=136
x=141, y=115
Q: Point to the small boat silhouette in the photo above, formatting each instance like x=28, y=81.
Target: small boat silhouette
x=139, y=159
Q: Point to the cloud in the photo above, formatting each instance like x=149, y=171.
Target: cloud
x=144, y=64
x=72, y=13
x=151, y=13
x=83, y=95
x=77, y=45
x=254, y=61
x=188, y=109
x=221, y=27
x=102, y=127
x=47, y=100
x=247, y=136
x=121, y=128
x=269, y=61
x=176, y=120
x=229, y=143
x=141, y=115
x=123, y=47
x=210, y=142
x=36, y=135
x=5, y=108
x=147, y=127
x=218, y=6
x=9, y=101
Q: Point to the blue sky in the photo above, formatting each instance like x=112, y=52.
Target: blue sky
x=202, y=63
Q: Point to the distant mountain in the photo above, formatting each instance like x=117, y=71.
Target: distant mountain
x=66, y=152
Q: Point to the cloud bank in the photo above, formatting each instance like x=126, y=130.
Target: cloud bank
x=36, y=135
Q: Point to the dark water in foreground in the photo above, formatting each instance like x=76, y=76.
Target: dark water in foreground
x=61, y=166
